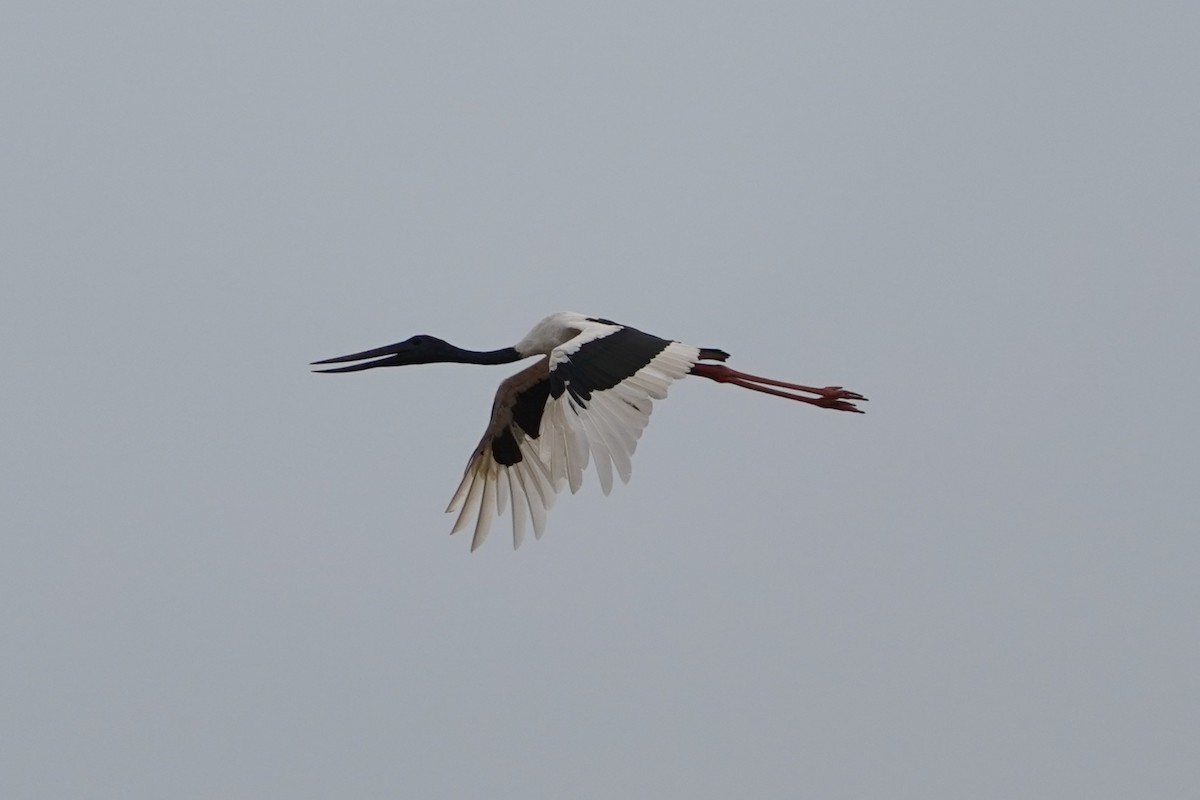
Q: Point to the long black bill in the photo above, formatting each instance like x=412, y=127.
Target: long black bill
x=396, y=356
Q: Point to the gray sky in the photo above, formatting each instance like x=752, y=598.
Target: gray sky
x=225, y=577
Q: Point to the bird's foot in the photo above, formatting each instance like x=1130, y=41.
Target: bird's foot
x=837, y=398
x=838, y=393
x=837, y=405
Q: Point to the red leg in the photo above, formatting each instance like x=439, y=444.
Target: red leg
x=834, y=397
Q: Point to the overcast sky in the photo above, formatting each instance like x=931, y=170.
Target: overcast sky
x=225, y=577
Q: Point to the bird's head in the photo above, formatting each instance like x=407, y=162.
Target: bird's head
x=420, y=349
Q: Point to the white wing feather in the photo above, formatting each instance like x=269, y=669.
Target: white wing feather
x=604, y=428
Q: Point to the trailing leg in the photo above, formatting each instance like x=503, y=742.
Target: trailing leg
x=834, y=397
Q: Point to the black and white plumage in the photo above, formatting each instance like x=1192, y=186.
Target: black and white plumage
x=588, y=399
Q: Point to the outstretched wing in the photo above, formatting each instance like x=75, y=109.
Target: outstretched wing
x=589, y=400
x=602, y=387
x=507, y=465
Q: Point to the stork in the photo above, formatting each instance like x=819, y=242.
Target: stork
x=589, y=396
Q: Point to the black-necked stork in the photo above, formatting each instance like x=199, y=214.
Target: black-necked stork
x=589, y=396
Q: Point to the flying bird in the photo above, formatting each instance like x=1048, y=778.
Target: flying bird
x=588, y=397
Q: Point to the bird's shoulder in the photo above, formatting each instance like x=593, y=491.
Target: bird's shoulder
x=564, y=329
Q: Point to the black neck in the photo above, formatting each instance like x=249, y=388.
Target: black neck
x=505, y=355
